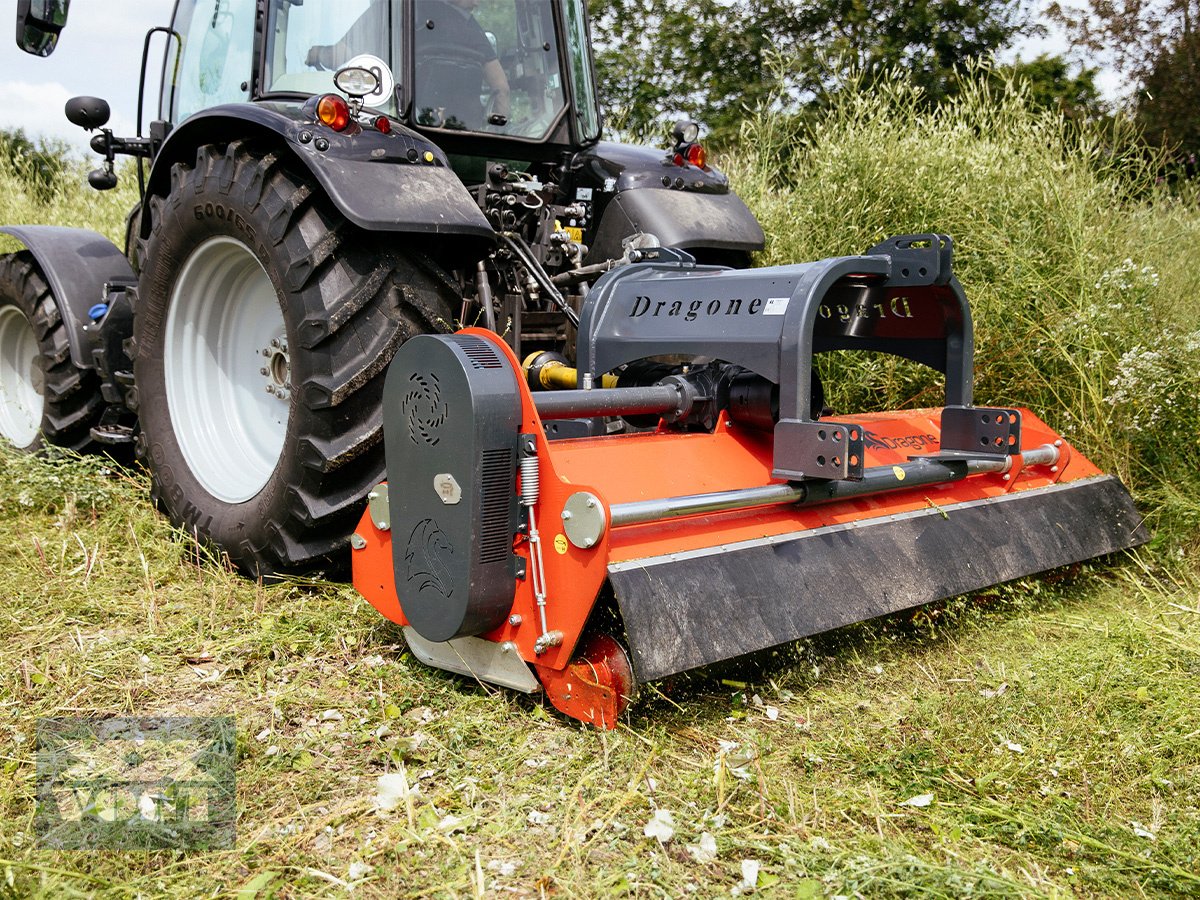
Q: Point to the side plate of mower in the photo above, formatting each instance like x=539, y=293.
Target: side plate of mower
x=744, y=520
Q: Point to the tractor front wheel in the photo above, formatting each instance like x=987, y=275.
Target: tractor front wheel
x=263, y=327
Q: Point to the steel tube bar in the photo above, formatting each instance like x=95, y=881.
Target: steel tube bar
x=657, y=398
x=876, y=480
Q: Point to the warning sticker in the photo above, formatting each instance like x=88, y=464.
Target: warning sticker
x=776, y=306
x=560, y=544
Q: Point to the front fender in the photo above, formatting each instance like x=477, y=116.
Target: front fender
x=77, y=264
x=397, y=182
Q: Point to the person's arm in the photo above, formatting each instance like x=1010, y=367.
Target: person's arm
x=362, y=34
x=497, y=82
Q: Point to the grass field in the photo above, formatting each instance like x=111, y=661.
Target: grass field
x=1042, y=739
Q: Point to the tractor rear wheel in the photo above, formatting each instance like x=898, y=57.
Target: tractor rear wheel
x=263, y=327
x=44, y=397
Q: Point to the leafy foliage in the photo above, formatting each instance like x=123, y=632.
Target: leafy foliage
x=714, y=59
x=1052, y=85
x=1157, y=44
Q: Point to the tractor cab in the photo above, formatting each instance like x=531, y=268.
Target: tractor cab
x=473, y=75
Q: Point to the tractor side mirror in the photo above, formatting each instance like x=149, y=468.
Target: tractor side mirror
x=89, y=113
x=39, y=23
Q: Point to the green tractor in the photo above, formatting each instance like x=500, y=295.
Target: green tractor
x=323, y=181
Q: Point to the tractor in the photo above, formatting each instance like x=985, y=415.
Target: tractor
x=323, y=181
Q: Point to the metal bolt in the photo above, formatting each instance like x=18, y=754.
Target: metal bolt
x=566, y=515
x=358, y=542
x=1054, y=468
x=514, y=621
x=275, y=343
x=264, y=371
x=270, y=389
x=591, y=504
x=266, y=352
x=1007, y=477
x=1058, y=443
x=508, y=647
x=589, y=543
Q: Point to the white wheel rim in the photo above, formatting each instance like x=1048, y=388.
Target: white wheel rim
x=22, y=400
x=227, y=372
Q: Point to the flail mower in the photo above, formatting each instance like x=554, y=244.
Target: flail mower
x=742, y=518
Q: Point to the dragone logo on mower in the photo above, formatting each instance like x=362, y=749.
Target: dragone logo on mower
x=917, y=442
x=691, y=310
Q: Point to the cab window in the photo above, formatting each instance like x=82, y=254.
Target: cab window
x=217, y=55
x=489, y=66
x=309, y=42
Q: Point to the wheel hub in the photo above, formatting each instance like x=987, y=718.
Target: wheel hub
x=278, y=370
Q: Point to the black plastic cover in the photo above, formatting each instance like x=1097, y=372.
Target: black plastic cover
x=452, y=418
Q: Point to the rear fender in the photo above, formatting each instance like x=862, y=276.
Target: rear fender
x=398, y=182
x=77, y=264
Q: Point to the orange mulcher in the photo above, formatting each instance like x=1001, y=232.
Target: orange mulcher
x=677, y=498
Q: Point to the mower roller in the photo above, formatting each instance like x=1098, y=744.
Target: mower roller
x=743, y=518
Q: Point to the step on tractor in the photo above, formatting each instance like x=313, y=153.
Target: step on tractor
x=388, y=298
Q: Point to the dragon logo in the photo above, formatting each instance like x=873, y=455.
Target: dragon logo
x=430, y=559
x=424, y=409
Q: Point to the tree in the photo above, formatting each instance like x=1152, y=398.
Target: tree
x=1167, y=104
x=1155, y=43
x=712, y=59
x=1051, y=85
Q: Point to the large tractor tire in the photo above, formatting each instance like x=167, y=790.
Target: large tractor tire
x=44, y=397
x=263, y=327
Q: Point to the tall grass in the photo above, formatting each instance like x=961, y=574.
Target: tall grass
x=1082, y=271
x=70, y=203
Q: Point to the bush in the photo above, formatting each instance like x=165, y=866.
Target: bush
x=1081, y=271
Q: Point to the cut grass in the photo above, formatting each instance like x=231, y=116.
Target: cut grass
x=1054, y=725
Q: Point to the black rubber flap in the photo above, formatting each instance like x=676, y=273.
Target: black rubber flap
x=692, y=609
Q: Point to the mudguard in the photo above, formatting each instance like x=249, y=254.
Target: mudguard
x=77, y=264
x=679, y=219
x=397, y=182
x=641, y=189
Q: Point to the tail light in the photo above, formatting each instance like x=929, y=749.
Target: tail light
x=334, y=111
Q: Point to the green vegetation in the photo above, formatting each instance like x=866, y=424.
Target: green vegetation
x=41, y=184
x=1040, y=740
